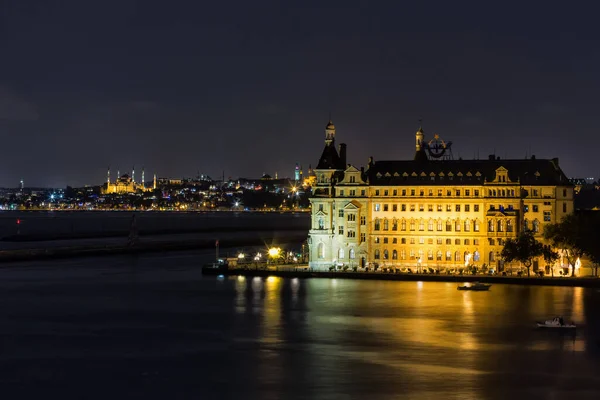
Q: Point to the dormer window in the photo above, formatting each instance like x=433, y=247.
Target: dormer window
x=502, y=175
x=352, y=179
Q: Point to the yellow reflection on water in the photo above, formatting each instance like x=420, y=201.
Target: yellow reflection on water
x=272, y=309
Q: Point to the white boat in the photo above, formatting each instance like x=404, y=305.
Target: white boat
x=555, y=323
x=476, y=286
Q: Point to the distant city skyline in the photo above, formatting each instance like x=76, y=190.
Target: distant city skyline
x=248, y=87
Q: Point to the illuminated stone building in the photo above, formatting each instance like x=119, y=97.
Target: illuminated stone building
x=430, y=212
x=124, y=184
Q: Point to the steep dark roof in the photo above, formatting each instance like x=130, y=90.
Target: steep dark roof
x=420, y=156
x=330, y=158
x=465, y=172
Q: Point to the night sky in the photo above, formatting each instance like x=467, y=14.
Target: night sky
x=247, y=86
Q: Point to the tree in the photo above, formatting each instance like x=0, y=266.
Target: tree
x=567, y=235
x=523, y=249
x=550, y=256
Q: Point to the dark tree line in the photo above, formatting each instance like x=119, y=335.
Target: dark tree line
x=575, y=236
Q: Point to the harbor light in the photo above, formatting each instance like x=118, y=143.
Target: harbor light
x=274, y=252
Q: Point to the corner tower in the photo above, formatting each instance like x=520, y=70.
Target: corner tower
x=329, y=170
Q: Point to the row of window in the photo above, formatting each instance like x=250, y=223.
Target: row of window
x=456, y=192
x=430, y=207
x=421, y=240
x=439, y=241
x=419, y=255
x=450, y=226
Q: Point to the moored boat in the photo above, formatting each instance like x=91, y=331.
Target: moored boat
x=555, y=323
x=476, y=286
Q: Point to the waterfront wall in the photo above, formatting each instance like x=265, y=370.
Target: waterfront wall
x=295, y=272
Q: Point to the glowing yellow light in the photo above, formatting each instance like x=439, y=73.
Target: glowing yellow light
x=274, y=251
x=241, y=255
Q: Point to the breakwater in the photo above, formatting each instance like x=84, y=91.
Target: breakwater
x=155, y=246
x=296, y=272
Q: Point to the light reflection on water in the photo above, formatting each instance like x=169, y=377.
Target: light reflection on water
x=416, y=335
x=156, y=331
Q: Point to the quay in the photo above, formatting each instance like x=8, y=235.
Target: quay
x=303, y=272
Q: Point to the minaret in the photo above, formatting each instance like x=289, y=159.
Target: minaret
x=154, y=185
x=329, y=133
x=133, y=174
x=276, y=175
x=108, y=180
x=22, y=184
x=297, y=173
x=143, y=179
x=118, y=174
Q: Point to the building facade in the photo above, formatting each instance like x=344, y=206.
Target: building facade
x=431, y=212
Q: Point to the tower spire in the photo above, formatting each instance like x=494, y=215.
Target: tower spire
x=154, y=184
x=108, y=179
x=133, y=174
x=329, y=133
x=143, y=179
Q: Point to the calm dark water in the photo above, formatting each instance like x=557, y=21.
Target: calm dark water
x=42, y=222
x=152, y=327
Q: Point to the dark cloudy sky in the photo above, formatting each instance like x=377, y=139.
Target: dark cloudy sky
x=247, y=86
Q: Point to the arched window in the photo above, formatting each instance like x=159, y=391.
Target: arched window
x=448, y=226
x=448, y=255
x=341, y=254
x=440, y=225
x=500, y=226
x=403, y=225
x=509, y=226
x=321, y=223
x=421, y=225
x=376, y=225
x=412, y=225
x=394, y=254
x=456, y=241
x=467, y=226
x=465, y=255
x=457, y=226
x=430, y=225
x=536, y=226
x=457, y=255
x=321, y=250
x=386, y=254
x=475, y=226
x=351, y=254
x=476, y=256
x=492, y=256
x=377, y=254
x=438, y=255
x=395, y=225
x=420, y=255
x=386, y=225
x=403, y=254
x=430, y=255
x=490, y=226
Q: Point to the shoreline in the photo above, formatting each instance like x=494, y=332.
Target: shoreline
x=586, y=282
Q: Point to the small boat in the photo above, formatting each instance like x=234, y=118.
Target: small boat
x=555, y=323
x=476, y=286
